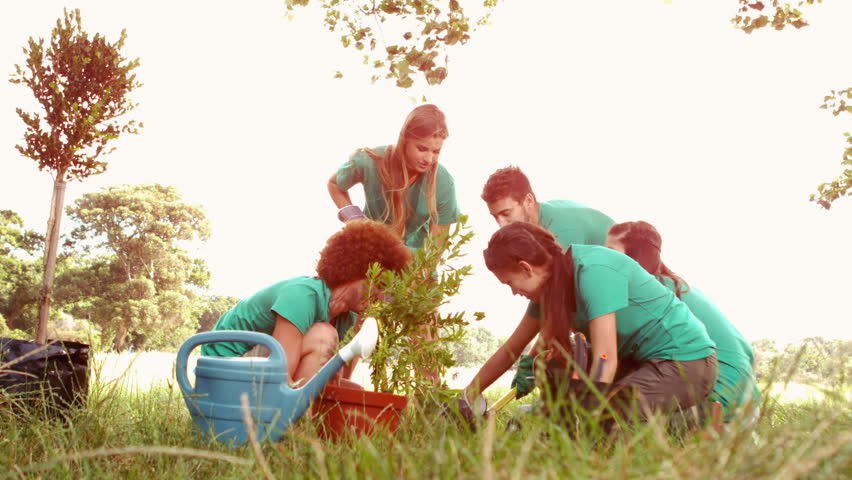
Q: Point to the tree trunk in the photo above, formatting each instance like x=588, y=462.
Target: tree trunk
x=50, y=248
x=120, y=335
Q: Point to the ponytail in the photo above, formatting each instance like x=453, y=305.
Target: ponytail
x=523, y=241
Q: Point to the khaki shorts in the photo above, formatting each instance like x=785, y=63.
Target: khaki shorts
x=665, y=385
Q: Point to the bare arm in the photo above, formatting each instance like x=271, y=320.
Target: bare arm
x=604, y=342
x=533, y=351
x=506, y=355
x=290, y=338
x=338, y=196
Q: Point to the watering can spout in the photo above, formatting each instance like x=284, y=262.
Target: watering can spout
x=362, y=345
x=364, y=342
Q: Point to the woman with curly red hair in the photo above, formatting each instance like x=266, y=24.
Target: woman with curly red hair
x=309, y=315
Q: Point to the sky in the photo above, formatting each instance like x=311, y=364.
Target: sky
x=654, y=110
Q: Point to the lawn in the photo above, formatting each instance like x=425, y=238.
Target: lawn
x=136, y=425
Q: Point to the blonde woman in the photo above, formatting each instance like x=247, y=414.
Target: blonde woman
x=404, y=185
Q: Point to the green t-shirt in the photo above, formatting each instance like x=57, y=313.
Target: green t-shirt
x=361, y=168
x=301, y=300
x=571, y=223
x=736, y=383
x=650, y=321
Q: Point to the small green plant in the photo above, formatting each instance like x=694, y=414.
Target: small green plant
x=415, y=338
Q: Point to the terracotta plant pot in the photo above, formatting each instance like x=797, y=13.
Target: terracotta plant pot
x=343, y=410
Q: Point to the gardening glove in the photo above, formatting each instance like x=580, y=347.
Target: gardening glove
x=351, y=212
x=524, y=382
x=461, y=409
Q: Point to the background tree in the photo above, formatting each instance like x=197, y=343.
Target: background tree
x=478, y=346
x=19, y=269
x=211, y=308
x=82, y=85
x=814, y=360
x=138, y=285
x=413, y=36
x=765, y=351
x=753, y=16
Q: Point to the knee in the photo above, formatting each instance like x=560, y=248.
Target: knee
x=320, y=340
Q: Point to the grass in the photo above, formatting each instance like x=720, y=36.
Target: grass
x=128, y=431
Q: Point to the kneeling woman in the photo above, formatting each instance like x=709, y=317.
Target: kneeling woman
x=623, y=310
x=736, y=387
x=308, y=315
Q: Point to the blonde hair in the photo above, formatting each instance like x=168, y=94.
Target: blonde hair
x=425, y=121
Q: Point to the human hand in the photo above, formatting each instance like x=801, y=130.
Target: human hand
x=524, y=382
x=350, y=212
x=466, y=410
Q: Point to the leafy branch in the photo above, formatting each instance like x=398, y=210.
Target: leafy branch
x=415, y=339
x=828, y=192
x=750, y=15
x=421, y=33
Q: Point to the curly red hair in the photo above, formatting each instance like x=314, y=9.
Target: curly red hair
x=360, y=243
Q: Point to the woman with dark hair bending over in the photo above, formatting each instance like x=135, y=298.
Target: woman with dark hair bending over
x=736, y=385
x=309, y=315
x=623, y=311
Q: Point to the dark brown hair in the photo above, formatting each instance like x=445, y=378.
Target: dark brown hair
x=506, y=182
x=349, y=253
x=536, y=246
x=642, y=242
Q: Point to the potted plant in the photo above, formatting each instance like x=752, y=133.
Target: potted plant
x=415, y=337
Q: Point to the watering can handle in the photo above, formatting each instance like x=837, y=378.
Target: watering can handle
x=276, y=351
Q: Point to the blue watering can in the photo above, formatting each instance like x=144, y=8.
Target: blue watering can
x=214, y=402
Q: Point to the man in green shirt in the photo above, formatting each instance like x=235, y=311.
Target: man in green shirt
x=309, y=315
x=510, y=198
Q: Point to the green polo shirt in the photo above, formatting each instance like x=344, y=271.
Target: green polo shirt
x=301, y=300
x=361, y=168
x=571, y=223
x=650, y=321
x=736, y=383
